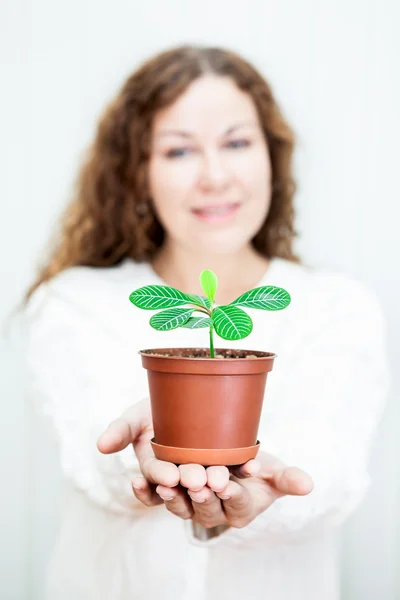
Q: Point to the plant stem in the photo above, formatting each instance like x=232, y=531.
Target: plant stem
x=211, y=342
x=202, y=310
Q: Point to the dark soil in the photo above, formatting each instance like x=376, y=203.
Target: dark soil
x=205, y=353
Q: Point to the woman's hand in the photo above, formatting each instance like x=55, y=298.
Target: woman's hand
x=162, y=481
x=252, y=488
x=211, y=496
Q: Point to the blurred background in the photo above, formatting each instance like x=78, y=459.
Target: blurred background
x=334, y=65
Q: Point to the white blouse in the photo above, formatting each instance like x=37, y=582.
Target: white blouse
x=324, y=399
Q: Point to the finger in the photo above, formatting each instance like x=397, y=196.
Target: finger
x=118, y=435
x=145, y=493
x=176, y=501
x=154, y=470
x=217, y=478
x=207, y=508
x=192, y=477
x=159, y=472
x=249, y=469
x=292, y=481
x=167, y=493
x=124, y=431
x=237, y=504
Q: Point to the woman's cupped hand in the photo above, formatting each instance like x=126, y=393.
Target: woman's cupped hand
x=211, y=496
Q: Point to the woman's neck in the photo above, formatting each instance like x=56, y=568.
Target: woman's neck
x=236, y=272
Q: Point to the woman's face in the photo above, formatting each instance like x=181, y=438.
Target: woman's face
x=209, y=171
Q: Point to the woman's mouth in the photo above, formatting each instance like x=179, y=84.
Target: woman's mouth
x=217, y=212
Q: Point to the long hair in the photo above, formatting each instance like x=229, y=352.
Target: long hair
x=104, y=223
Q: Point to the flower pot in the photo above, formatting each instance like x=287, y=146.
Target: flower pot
x=206, y=410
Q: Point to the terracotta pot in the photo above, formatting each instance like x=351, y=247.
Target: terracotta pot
x=206, y=410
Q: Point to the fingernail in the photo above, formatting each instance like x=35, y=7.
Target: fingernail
x=166, y=498
x=138, y=485
x=198, y=500
x=223, y=497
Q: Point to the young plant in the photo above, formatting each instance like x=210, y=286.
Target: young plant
x=229, y=322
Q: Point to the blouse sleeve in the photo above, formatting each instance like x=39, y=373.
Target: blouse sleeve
x=325, y=414
x=79, y=378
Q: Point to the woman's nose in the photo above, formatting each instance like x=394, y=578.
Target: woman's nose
x=214, y=175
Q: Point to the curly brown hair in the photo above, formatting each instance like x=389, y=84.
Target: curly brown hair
x=103, y=224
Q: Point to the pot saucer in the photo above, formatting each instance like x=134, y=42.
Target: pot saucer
x=205, y=457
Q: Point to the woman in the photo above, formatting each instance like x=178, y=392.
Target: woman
x=191, y=169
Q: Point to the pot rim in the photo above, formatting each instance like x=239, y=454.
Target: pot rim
x=262, y=355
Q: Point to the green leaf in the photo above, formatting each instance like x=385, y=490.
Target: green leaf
x=209, y=283
x=201, y=301
x=265, y=297
x=171, y=319
x=232, y=323
x=198, y=322
x=153, y=297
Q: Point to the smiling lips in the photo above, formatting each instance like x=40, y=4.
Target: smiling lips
x=218, y=212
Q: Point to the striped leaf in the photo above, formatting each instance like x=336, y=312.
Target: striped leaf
x=200, y=301
x=198, y=322
x=153, y=297
x=266, y=297
x=209, y=283
x=171, y=319
x=232, y=323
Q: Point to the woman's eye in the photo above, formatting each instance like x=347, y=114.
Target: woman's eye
x=177, y=152
x=238, y=144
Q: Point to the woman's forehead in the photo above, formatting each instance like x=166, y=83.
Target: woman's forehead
x=209, y=103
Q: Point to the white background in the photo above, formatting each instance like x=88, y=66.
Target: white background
x=334, y=65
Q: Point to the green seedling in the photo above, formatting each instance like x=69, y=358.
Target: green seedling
x=229, y=322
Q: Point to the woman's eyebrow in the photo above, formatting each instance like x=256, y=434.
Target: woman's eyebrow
x=239, y=126
x=178, y=132
x=187, y=134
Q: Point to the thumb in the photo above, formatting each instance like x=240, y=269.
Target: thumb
x=122, y=432
x=285, y=480
x=289, y=481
